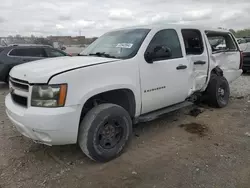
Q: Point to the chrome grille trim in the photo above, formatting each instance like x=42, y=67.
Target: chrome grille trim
x=19, y=90
x=19, y=84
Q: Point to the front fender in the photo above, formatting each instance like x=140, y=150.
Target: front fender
x=87, y=82
x=106, y=88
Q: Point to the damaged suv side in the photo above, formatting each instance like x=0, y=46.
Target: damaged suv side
x=126, y=76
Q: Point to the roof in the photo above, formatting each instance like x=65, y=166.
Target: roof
x=29, y=45
x=12, y=46
x=176, y=26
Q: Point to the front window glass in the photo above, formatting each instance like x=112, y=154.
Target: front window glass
x=168, y=38
x=121, y=44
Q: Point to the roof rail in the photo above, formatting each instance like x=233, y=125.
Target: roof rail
x=29, y=45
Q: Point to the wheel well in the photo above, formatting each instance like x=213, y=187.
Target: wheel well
x=217, y=70
x=121, y=97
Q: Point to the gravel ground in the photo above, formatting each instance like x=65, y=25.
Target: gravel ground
x=241, y=87
x=211, y=151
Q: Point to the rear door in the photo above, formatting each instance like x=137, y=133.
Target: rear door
x=197, y=56
x=225, y=53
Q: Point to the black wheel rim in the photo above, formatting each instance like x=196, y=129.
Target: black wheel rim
x=110, y=133
x=222, y=93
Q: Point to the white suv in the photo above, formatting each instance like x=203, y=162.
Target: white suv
x=126, y=76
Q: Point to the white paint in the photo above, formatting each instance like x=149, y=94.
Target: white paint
x=97, y=75
x=41, y=71
x=60, y=125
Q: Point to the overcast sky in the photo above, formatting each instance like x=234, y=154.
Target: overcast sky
x=94, y=17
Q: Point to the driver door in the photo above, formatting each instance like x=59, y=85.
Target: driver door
x=164, y=80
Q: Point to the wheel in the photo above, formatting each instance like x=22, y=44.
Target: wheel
x=218, y=91
x=244, y=71
x=104, y=132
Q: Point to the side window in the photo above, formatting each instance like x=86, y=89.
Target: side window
x=168, y=39
x=53, y=53
x=18, y=52
x=36, y=52
x=193, y=41
x=221, y=42
x=28, y=52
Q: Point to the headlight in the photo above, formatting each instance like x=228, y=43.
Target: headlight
x=49, y=95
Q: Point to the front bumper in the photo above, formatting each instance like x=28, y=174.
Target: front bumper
x=50, y=126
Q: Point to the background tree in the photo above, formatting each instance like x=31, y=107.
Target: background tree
x=243, y=33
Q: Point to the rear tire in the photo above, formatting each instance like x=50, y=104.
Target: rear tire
x=104, y=132
x=218, y=91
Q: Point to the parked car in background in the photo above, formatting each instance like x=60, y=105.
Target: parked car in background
x=247, y=39
x=245, y=48
x=241, y=40
x=15, y=54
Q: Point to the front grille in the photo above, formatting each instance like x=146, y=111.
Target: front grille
x=19, y=90
x=18, y=80
x=22, y=101
x=19, y=84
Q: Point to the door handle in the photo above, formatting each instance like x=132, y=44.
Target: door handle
x=199, y=62
x=180, y=67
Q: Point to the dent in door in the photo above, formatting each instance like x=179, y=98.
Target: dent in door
x=198, y=73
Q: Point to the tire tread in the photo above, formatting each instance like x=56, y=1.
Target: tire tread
x=86, y=125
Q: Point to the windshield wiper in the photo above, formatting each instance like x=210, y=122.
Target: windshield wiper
x=102, y=54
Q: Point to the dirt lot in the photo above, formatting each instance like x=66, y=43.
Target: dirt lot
x=178, y=150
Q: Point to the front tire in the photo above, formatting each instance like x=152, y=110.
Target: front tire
x=218, y=91
x=104, y=132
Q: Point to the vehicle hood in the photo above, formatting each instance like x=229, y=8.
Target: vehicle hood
x=40, y=71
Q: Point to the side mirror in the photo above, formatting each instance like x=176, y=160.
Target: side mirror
x=149, y=57
x=159, y=53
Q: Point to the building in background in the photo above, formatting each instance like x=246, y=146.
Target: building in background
x=68, y=40
x=64, y=40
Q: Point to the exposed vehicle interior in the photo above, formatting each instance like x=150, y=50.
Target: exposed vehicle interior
x=221, y=42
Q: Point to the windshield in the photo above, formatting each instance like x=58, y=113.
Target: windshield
x=121, y=44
